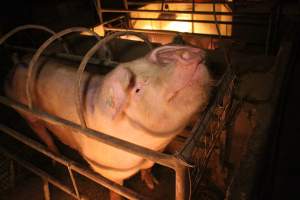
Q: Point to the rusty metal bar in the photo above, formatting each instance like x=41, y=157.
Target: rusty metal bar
x=185, y=12
x=161, y=158
x=46, y=190
x=73, y=165
x=165, y=32
x=38, y=172
x=201, y=21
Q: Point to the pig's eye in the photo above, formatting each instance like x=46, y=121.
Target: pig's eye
x=137, y=90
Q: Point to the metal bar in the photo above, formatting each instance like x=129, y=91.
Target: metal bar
x=180, y=182
x=99, y=10
x=32, y=26
x=199, y=3
x=161, y=158
x=46, y=189
x=201, y=124
x=113, y=20
x=200, y=21
x=125, y=4
x=164, y=32
x=79, y=74
x=73, y=181
x=33, y=68
x=73, y=165
x=68, y=56
x=128, y=15
x=193, y=9
x=12, y=177
x=38, y=172
x=185, y=12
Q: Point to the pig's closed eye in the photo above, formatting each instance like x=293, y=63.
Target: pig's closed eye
x=137, y=90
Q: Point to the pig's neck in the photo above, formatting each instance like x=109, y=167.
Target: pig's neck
x=93, y=87
x=155, y=133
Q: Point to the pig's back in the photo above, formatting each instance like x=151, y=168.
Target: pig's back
x=53, y=88
x=53, y=93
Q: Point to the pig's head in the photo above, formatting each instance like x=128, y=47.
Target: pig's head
x=160, y=91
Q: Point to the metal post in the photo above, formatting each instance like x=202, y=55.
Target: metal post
x=128, y=14
x=46, y=190
x=180, y=182
x=73, y=181
x=99, y=10
x=193, y=8
x=12, y=175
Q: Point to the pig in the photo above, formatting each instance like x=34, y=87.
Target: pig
x=147, y=101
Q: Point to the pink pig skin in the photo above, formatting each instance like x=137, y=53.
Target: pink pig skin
x=147, y=101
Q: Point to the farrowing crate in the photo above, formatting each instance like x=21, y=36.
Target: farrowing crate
x=190, y=155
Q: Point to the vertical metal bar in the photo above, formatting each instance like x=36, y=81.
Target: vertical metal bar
x=193, y=9
x=99, y=10
x=128, y=14
x=180, y=182
x=73, y=181
x=12, y=174
x=46, y=189
x=162, y=5
x=125, y=4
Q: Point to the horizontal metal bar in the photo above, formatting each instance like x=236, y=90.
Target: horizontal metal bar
x=68, y=56
x=196, y=3
x=113, y=20
x=161, y=158
x=38, y=172
x=185, y=12
x=199, y=21
x=72, y=164
x=165, y=32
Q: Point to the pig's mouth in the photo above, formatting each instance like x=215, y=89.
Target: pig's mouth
x=193, y=79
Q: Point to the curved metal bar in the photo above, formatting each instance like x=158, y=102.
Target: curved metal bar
x=86, y=58
x=32, y=69
x=30, y=26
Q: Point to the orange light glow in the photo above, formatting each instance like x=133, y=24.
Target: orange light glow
x=187, y=27
x=195, y=27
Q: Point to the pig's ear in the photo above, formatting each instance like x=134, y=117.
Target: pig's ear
x=117, y=86
x=161, y=56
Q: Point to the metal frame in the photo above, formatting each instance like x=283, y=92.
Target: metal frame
x=107, y=26
x=177, y=162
